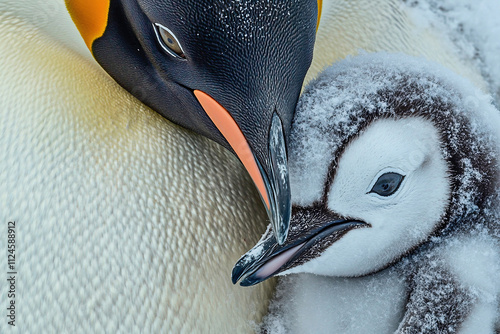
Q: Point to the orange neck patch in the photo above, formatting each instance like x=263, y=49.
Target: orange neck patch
x=90, y=17
x=320, y=6
x=231, y=131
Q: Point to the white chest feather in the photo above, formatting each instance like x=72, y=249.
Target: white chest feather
x=125, y=222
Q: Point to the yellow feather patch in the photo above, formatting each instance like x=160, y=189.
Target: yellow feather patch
x=90, y=17
x=320, y=6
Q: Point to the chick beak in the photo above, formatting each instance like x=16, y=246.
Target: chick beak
x=268, y=258
x=273, y=187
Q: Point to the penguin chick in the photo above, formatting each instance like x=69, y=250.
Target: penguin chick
x=395, y=178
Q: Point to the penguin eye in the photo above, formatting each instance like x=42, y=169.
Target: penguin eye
x=387, y=184
x=168, y=41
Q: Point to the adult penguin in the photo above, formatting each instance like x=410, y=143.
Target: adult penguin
x=231, y=71
x=122, y=222
x=395, y=186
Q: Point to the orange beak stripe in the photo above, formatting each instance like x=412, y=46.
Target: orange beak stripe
x=231, y=131
x=90, y=17
x=320, y=6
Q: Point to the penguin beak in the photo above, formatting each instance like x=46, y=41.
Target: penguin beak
x=274, y=186
x=268, y=258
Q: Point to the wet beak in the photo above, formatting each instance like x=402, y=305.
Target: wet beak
x=278, y=184
x=268, y=258
x=274, y=187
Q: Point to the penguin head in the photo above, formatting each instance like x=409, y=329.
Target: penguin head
x=388, y=154
x=231, y=71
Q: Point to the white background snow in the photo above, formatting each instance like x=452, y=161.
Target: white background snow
x=474, y=27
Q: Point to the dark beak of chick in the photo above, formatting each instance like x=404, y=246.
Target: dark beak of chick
x=269, y=258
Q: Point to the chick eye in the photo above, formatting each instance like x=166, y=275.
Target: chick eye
x=168, y=41
x=387, y=184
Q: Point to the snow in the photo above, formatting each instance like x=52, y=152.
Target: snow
x=474, y=28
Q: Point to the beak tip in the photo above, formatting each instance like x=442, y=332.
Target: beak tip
x=239, y=272
x=250, y=281
x=282, y=234
x=281, y=224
